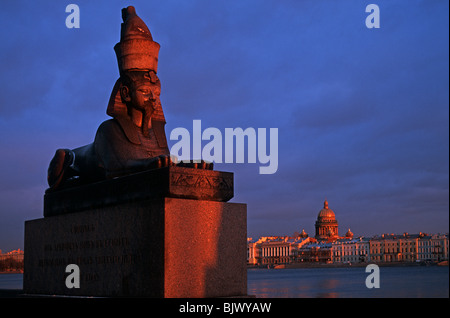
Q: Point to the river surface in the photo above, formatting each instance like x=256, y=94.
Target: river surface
x=11, y=281
x=348, y=282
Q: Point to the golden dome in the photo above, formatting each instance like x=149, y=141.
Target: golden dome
x=326, y=213
x=326, y=224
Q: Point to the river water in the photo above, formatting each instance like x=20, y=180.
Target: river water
x=11, y=281
x=348, y=282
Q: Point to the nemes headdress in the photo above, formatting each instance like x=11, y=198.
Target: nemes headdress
x=136, y=51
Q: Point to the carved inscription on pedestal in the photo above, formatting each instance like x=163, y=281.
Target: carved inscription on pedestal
x=202, y=181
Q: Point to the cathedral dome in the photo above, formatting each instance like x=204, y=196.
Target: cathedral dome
x=326, y=213
x=326, y=224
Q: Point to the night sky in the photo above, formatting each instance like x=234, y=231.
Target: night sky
x=362, y=114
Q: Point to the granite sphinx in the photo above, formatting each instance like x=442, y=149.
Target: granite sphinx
x=134, y=139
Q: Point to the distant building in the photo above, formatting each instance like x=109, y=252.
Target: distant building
x=16, y=254
x=326, y=224
x=433, y=248
x=315, y=252
x=328, y=246
x=275, y=249
x=394, y=248
x=351, y=250
x=11, y=261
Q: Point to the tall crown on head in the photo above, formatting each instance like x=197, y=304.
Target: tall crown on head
x=136, y=49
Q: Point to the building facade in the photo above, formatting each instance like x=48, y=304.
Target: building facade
x=11, y=261
x=351, y=250
x=275, y=250
x=394, y=248
x=326, y=224
x=315, y=252
x=327, y=246
x=433, y=248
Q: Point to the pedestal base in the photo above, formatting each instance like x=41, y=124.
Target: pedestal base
x=158, y=247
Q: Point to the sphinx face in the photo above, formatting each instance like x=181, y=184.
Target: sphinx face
x=145, y=96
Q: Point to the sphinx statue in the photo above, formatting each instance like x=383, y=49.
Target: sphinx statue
x=133, y=139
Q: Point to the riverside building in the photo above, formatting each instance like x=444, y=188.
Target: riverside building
x=433, y=248
x=328, y=247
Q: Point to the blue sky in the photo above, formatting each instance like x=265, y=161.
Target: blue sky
x=362, y=114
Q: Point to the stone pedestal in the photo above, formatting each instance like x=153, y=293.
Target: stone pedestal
x=129, y=240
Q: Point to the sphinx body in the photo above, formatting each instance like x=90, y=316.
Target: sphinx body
x=134, y=139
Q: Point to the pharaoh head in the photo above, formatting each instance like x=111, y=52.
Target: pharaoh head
x=138, y=87
x=140, y=90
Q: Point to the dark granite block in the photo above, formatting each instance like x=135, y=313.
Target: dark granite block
x=119, y=250
x=174, y=182
x=164, y=247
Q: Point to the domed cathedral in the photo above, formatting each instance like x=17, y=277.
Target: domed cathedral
x=326, y=224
